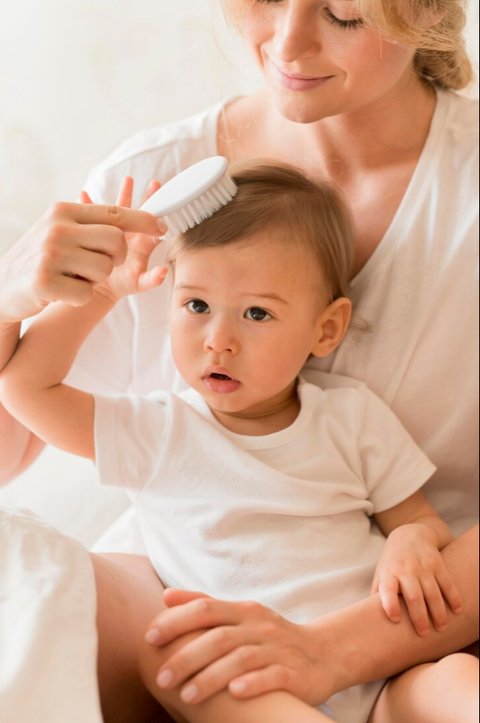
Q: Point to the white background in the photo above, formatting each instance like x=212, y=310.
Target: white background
x=76, y=78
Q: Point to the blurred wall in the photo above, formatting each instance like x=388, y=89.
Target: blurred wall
x=78, y=76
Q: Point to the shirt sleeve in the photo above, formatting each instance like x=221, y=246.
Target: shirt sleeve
x=393, y=465
x=129, y=435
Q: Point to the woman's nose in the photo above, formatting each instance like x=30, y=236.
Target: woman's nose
x=297, y=34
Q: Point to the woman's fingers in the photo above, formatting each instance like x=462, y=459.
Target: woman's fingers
x=90, y=266
x=50, y=251
x=127, y=219
x=217, y=676
x=195, y=615
x=202, y=652
x=174, y=596
x=264, y=680
x=69, y=290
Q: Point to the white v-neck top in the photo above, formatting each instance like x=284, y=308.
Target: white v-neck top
x=418, y=291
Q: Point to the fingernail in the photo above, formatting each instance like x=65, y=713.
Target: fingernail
x=189, y=693
x=152, y=636
x=165, y=678
x=162, y=226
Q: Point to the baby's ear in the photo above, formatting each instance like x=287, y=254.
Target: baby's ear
x=331, y=326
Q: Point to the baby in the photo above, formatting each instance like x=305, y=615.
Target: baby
x=253, y=483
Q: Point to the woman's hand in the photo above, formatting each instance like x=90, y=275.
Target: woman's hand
x=411, y=565
x=132, y=275
x=70, y=249
x=244, y=647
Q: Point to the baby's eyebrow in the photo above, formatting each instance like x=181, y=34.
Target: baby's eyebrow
x=272, y=296
x=188, y=287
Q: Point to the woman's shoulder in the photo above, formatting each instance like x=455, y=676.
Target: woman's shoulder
x=159, y=152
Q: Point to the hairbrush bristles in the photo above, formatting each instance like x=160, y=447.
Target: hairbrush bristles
x=193, y=195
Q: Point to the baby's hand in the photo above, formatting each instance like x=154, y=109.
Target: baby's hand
x=133, y=275
x=411, y=565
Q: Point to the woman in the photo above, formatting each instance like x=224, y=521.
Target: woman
x=360, y=94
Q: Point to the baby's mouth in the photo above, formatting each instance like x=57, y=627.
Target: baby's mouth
x=219, y=376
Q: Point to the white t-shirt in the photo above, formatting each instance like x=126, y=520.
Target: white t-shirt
x=418, y=291
x=281, y=518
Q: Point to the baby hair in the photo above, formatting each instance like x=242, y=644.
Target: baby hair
x=281, y=199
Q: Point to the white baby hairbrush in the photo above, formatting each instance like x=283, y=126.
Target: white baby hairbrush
x=193, y=195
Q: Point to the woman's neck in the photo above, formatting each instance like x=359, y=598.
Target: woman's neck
x=374, y=136
x=369, y=154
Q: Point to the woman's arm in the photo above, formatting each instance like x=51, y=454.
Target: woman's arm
x=251, y=650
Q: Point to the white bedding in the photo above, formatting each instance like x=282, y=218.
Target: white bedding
x=48, y=636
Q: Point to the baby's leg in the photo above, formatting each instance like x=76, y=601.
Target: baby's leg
x=439, y=692
x=129, y=594
x=276, y=707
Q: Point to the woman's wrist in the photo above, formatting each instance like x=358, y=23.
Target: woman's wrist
x=337, y=654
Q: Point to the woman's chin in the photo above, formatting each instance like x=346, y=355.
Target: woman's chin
x=297, y=109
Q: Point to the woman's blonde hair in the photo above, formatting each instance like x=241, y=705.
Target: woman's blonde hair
x=433, y=27
x=280, y=199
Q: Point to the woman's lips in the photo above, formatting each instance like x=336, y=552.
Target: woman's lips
x=296, y=81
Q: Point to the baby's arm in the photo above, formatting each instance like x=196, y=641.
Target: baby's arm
x=31, y=385
x=411, y=565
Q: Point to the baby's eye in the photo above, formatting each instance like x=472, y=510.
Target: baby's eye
x=255, y=313
x=197, y=306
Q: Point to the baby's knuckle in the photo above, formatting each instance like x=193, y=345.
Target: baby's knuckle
x=413, y=597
